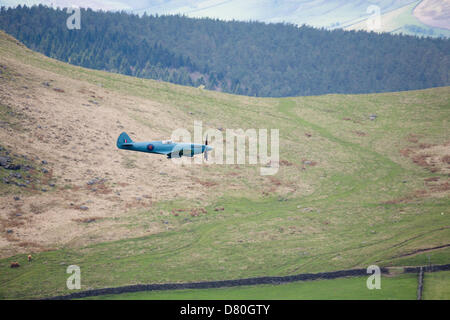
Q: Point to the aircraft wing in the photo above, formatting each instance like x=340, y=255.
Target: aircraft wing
x=163, y=152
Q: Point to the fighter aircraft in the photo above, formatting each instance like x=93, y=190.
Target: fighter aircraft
x=166, y=147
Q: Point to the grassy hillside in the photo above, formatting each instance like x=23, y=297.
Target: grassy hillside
x=350, y=191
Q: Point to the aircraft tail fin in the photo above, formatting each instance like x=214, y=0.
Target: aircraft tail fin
x=124, y=141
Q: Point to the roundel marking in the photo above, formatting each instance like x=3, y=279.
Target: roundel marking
x=150, y=147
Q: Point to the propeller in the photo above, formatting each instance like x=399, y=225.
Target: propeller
x=206, y=149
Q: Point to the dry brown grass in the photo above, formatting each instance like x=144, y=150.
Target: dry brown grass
x=100, y=188
x=87, y=219
x=29, y=244
x=441, y=187
x=193, y=212
x=433, y=157
x=284, y=162
x=406, y=152
x=78, y=142
x=413, y=138
x=431, y=179
x=275, y=181
x=204, y=183
x=408, y=198
x=360, y=133
x=421, y=159
x=36, y=208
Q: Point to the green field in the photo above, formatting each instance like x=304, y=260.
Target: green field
x=362, y=202
x=436, y=286
x=399, y=287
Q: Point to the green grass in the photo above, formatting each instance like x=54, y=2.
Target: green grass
x=400, y=287
x=326, y=217
x=436, y=286
x=422, y=259
x=247, y=239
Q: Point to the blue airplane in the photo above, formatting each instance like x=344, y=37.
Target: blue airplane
x=166, y=147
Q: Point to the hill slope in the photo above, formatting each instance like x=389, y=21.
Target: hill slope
x=350, y=191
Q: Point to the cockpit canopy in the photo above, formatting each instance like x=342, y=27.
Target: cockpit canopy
x=167, y=142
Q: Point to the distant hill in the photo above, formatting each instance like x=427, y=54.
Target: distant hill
x=435, y=13
x=247, y=58
x=421, y=18
x=398, y=16
x=319, y=13
x=330, y=14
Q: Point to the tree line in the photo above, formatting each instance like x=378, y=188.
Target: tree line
x=248, y=58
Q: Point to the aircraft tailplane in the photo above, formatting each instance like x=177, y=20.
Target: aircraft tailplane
x=124, y=140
